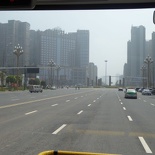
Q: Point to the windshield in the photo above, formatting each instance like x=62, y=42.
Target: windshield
x=78, y=60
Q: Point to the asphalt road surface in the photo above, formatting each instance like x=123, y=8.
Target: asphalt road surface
x=89, y=120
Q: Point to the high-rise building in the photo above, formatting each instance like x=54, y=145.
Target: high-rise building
x=136, y=53
x=18, y=33
x=70, y=51
x=92, y=75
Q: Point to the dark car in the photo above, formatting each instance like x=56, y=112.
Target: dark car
x=153, y=91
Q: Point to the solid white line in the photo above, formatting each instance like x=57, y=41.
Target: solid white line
x=89, y=105
x=121, y=103
x=67, y=100
x=79, y=112
x=124, y=108
x=130, y=119
x=59, y=129
x=31, y=112
x=146, y=147
x=54, y=105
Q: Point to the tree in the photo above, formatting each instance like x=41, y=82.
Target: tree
x=2, y=77
x=43, y=83
x=35, y=81
x=11, y=79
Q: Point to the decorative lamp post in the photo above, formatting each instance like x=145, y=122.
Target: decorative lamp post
x=148, y=61
x=58, y=68
x=18, y=51
x=143, y=73
x=52, y=64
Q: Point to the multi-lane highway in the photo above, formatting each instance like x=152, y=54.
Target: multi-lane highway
x=90, y=120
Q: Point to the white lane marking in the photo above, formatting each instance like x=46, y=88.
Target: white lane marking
x=75, y=98
x=144, y=100
x=121, y=102
x=152, y=104
x=59, y=129
x=15, y=99
x=124, y=108
x=67, y=100
x=97, y=98
x=146, y=147
x=89, y=105
x=30, y=112
x=39, y=100
x=94, y=101
x=54, y=105
x=130, y=119
x=79, y=112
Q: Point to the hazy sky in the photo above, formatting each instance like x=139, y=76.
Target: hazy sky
x=109, y=30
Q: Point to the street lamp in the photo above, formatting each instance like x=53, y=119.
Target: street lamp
x=58, y=68
x=148, y=61
x=143, y=74
x=52, y=64
x=106, y=71
x=18, y=51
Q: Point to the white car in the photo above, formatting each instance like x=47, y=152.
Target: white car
x=146, y=92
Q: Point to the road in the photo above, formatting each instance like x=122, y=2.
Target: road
x=90, y=120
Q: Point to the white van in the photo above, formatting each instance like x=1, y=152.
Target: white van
x=35, y=88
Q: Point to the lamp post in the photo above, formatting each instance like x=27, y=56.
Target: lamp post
x=148, y=61
x=18, y=51
x=58, y=68
x=52, y=64
x=143, y=69
x=106, y=71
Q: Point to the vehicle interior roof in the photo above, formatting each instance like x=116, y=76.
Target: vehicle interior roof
x=76, y=4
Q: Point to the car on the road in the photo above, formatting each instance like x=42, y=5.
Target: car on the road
x=35, y=89
x=53, y=88
x=153, y=91
x=120, y=89
x=146, y=92
x=130, y=93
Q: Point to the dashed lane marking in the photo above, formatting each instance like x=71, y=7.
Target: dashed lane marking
x=80, y=112
x=89, y=105
x=30, y=112
x=130, y=119
x=124, y=108
x=54, y=105
x=59, y=129
x=144, y=144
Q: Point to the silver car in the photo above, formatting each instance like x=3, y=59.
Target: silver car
x=146, y=92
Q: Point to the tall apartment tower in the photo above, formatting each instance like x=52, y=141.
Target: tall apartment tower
x=137, y=51
x=17, y=33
